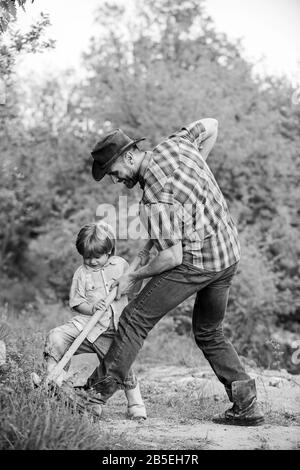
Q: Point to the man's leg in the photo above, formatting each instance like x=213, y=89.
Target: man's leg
x=209, y=311
x=161, y=294
x=135, y=404
x=101, y=347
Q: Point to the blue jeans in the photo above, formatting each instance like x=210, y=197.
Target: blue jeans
x=161, y=294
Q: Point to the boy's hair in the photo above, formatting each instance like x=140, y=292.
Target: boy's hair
x=95, y=240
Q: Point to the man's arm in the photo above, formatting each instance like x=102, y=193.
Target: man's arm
x=163, y=261
x=164, y=228
x=203, y=134
x=144, y=257
x=211, y=128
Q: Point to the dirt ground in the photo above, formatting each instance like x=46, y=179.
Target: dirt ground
x=181, y=402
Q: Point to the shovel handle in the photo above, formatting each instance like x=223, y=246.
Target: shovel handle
x=55, y=372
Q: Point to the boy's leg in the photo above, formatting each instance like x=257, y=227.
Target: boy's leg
x=136, y=408
x=58, y=341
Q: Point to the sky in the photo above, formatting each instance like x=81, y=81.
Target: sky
x=270, y=30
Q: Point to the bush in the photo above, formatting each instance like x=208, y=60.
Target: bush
x=32, y=419
x=251, y=306
x=283, y=248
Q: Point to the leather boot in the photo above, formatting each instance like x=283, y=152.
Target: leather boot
x=245, y=410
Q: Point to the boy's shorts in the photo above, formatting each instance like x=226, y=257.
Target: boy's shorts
x=59, y=340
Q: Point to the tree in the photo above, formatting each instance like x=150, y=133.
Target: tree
x=171, y=67
x=16, y=199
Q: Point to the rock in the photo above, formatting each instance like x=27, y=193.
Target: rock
x=201, y=375
x=275, y=382
x=248, y=362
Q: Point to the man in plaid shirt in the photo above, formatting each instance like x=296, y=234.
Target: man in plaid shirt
x=188, y=221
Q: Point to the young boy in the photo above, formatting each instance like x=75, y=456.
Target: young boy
x=91, y=283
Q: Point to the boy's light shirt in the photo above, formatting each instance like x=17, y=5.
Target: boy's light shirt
x=91, y=286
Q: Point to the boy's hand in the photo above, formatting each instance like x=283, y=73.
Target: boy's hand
x=144, y=256
x=99, y=305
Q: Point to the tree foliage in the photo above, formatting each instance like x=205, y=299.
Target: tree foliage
x=8, y=11
x=19, y=207
x=167, y=67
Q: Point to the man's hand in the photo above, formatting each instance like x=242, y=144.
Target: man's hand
x=144, y=256
x=163, y=261
x=211, y=127
x=124, y=284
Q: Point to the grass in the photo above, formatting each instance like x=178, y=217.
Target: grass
x=31, y=419
x=165, y=346
x=182, y=405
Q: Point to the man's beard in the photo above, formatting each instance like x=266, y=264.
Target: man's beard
x=131, y=180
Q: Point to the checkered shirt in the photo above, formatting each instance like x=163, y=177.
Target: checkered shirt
x=183, y=202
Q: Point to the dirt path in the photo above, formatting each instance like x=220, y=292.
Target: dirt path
x=157, y=434
x=181, y=402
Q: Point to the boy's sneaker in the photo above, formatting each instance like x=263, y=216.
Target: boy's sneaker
x=137, y=411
